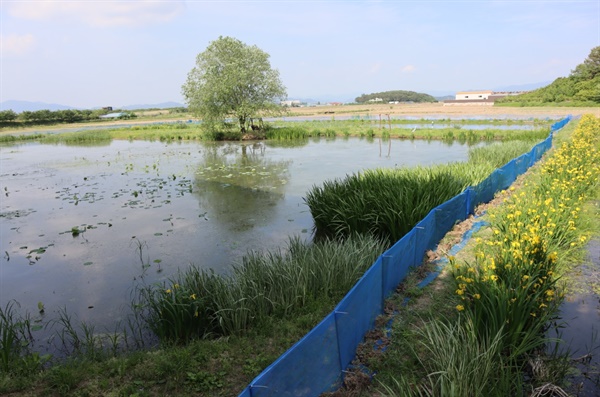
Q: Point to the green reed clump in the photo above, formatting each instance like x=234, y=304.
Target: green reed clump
x=498, y=154
x=18, y=138
x=457, y=362
x=285, y=133
x=200, y=303
x=15, y=338
x=388, y=203
x=79, y=137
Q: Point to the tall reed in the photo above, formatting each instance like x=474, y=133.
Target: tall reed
x=388, y=203
x=457, y=361
x=200, y=303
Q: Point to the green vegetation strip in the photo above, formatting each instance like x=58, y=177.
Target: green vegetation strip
x=481, y=330
x=279, y=130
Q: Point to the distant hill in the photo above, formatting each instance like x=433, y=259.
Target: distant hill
x=20, y=106
x=444, y=98
x=392, y=96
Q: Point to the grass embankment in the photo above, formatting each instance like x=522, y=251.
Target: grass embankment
x=179, y=131
x=248, y=320
x=365, y=128
x=480, y=329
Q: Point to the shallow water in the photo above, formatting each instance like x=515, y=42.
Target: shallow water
x=580, y=314
x=80, y=225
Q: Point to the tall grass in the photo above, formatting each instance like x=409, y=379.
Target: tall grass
x=388, y=203
x=16, y=357
x=200, y=303
x=79, y=137
x=457, y=361
x=17, y=138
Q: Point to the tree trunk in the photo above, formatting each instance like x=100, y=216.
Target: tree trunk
x=242, y=120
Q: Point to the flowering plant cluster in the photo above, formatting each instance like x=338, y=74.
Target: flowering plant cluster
x=178, y=312
x=512, y=286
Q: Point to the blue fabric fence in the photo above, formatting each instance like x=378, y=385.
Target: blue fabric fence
x=317, y=362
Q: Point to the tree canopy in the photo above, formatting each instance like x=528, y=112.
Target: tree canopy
x=400, y=96
x=590, y=68
x=582, y=87
x=233, y=80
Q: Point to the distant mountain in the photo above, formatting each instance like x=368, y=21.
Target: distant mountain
x=20, y=106
x=163, y=105
x=445, y=98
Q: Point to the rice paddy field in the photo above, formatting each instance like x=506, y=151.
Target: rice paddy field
x=147, y=236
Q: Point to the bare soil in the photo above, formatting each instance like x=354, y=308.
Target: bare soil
x=439, y=109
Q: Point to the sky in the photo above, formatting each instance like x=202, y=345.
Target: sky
x=91, y=53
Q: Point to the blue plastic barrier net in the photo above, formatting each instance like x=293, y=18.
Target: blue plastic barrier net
x=316, y=363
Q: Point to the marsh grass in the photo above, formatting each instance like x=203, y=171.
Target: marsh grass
x=18, y=138
x=388, y=203
x=15, y=335
x=200, y=303
x=458, y=362
x=79, y=137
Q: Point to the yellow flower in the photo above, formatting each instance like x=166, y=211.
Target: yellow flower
x=533, y=314
x=193, y=296
x=175, y=286
x=196, y=314
x=460, y=291
x=476, y=296
x=460, y=308
x=168, y=291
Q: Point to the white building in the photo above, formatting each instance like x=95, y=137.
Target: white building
x=473, y=95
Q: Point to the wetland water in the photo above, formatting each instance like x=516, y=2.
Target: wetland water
x=580, y=314
x=79, y=225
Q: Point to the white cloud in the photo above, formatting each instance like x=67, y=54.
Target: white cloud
x=99, y=13
x=13, y=45
x=408, y=69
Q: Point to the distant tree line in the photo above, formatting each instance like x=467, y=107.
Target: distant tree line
x=393, y=96
x=48, y=116
x=582, y=87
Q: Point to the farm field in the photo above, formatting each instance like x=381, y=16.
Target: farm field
x=409, y=111
x=153, y=184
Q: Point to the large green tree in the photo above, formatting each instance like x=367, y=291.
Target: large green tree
x=233, y=80
x=590, y=67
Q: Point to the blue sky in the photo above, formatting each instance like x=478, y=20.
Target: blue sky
x=114, y=53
